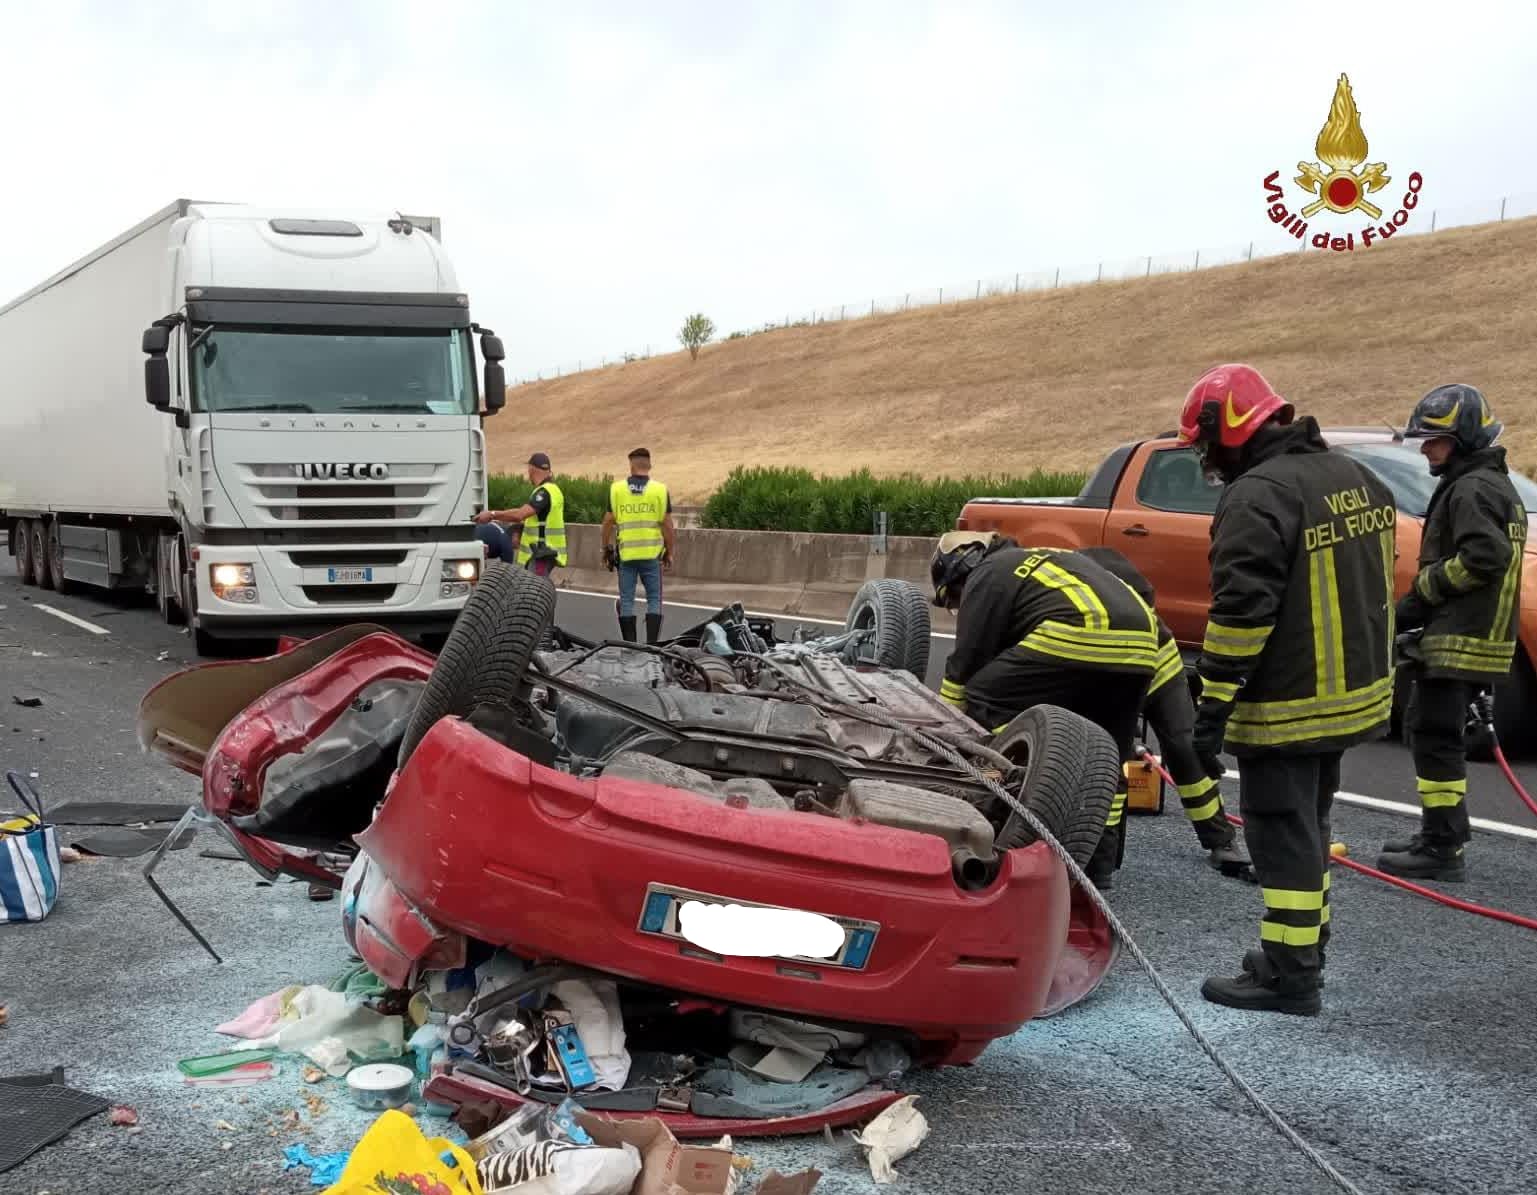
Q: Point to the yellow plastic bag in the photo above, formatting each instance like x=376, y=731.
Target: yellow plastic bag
x=394, y=1158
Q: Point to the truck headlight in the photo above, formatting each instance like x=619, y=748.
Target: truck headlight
x=461, y=570
x=233, y=582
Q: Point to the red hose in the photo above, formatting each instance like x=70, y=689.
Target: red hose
x=1499, y=758
x=1440, y=898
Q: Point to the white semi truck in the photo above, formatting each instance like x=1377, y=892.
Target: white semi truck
x=311, y=453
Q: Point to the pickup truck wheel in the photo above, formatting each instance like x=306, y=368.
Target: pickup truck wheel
x=884, y=606
x=26, y=563
x=1072, y=768
x=1515, y=708
x=42, y=559
x=488, y=651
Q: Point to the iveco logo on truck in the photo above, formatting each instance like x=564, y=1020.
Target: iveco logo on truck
x=337, y=471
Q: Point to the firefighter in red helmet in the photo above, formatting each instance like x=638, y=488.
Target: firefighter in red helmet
x=1296, y=664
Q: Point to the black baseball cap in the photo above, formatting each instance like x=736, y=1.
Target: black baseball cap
x=640, y=452
x=540, y=460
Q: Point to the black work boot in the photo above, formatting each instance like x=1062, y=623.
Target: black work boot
x=627, y=629
x=1101, y=865
x=1264, y=989
x=1426, y=860
x=1226, y=851
x=1254, y=961
x=653, y=628
x=1398, y=846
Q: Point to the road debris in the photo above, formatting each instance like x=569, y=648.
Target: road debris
x=313, y=1074
x=30, y=703
x=5, y=1015
x=163, y=656
x=225, y=1125
x=124, y=1116
x=893, y=1135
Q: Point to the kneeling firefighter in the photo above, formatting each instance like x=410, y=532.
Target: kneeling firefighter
x=1466, y=600
x=1046, y=626
x=1170, y=711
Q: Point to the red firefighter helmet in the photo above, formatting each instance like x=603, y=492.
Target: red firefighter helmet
x=1227, y=405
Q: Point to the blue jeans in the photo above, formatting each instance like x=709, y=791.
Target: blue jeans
x=649, y=574
x=500, y=546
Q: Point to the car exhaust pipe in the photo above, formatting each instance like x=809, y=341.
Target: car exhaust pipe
x=972, y=872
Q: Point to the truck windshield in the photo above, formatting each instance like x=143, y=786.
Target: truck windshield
x=332, y=370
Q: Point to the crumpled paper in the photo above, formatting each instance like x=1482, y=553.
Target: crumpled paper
x=893, y=1135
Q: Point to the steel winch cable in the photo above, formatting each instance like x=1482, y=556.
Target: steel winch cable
x=947, y=752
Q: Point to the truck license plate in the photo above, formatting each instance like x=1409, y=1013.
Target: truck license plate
x=659, y=916
x=342, y=576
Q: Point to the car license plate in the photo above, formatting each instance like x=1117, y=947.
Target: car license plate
x=659, y=916
x=342, y=576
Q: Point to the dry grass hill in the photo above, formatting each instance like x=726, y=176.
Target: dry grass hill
x=1054, y=378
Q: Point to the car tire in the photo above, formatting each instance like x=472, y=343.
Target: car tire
x=885, y=605
x=486, y=658
x=26, y=563
x=1072, y=769
x=920, y=630
x=43, y=559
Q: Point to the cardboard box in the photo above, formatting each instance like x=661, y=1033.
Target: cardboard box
x=671, y=1168
x=1144, y=789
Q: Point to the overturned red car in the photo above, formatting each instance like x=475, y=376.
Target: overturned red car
x=576, y=804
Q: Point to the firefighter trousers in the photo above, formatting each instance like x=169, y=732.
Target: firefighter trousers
x=1171, y=714
x=1111, y=700
x=1437, y=716
x=1286, y=801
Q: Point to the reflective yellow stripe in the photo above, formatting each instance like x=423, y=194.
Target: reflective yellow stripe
x=1202, y=813
x=1503, y=627
x=1218, y=690
x=1457, y=575
x=1289, y=935
x=1117, y=810
x=1389, y=547
x=1331, y=720
x=950, y=688
x=1264, y=711
x=1169, y=666
x=1223, y=640
x=1054, y=576
x=1135, y=649
x=1323, y=918
x=1441, y=794
x=1328, y=626
x=1198, y=789
x=1424, y=587
x=958, y=702
x=1292, y=898
x=1328, y=876
x=1465, y=653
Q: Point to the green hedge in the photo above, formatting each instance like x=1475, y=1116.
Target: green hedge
x=586, y=497
x=775, y=499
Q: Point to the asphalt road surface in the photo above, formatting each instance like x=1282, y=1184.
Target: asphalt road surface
x=1421, y=1076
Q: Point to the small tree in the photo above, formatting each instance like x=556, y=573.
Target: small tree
x=698, y=330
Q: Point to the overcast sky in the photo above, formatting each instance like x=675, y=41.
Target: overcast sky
x=604, y=169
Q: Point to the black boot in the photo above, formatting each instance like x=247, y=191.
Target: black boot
x=1226, y=851
x=1264, y=990
x=1426, y=861
x=1101, y=865
x=1254, y=961
x=1399, y=846
x=627, y=629
x=653, y=628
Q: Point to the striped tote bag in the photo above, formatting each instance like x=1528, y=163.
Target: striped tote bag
x=29, y=858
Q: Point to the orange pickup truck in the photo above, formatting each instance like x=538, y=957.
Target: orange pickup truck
x=1149, y=501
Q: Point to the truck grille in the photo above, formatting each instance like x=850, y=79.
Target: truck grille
x=347, y=558
x=284, y=500
x=324, y=594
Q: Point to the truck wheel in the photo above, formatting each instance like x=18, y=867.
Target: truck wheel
x=42, y=565
x=26, y=563
x=1072, y=769
x=884, y=606
x=56, y=557
x=488, y=651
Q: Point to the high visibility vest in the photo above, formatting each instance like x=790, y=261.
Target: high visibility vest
x=639, y=519
x=550, y=530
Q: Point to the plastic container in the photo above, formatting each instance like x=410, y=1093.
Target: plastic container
x=380, y=1085
x=217, y=1064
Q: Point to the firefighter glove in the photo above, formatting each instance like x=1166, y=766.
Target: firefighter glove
x=610, y=557
x=1210, y=730
x=1412, y=611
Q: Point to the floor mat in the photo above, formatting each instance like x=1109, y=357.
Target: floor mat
x=33, y=1117
x=114, y=813
x=126, y=844
x=55, y=1076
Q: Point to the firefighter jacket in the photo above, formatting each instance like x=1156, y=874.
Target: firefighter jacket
x=1299, y=638
x=1052, y=606
x=1470, y=569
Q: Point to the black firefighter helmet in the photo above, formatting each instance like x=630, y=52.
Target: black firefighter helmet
x=957, y=553
x=1458, y=411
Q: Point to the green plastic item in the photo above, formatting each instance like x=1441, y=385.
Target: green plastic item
x=217, y=1064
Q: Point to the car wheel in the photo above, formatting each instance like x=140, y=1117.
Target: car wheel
x=42, y=559
x=26, y=563
x=1072, y=769
x=920, y=629
x=488, y=651
x=884, y=606
x=1515, y=708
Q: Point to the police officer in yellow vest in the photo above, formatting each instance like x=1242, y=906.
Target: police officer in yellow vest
x=540, y=542
x=639, y=517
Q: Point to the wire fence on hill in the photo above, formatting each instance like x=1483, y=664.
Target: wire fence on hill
x=1513, y=207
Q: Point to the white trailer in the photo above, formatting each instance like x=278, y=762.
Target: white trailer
x=312, y=451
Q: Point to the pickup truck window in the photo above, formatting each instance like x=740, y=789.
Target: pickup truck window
x=1172, y=480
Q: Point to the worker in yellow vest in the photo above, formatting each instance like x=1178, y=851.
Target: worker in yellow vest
x=638, y=540
x=539, y=543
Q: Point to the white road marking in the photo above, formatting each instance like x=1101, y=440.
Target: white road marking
x=826, y=622
x=70, y=618
x=1402, y=807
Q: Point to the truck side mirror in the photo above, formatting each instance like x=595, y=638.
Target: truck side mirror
x=157, y=370
x=496, y=387
x=491, y=347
